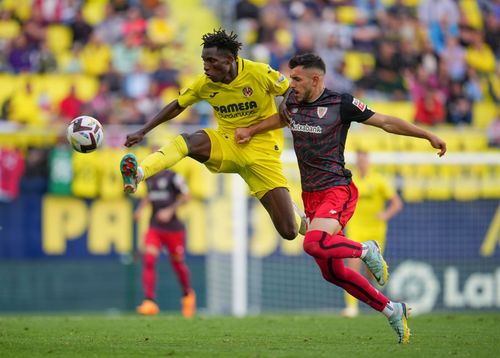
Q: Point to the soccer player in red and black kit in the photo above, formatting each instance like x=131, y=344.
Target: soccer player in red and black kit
x=319, y=120
x=166, y=192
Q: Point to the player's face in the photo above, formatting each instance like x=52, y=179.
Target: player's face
x=217, y=64
x=302, y=82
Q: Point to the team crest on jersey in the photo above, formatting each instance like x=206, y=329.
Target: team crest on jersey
x=247, y=91
x=322, y=111
x=294, y=110
x=359, y=104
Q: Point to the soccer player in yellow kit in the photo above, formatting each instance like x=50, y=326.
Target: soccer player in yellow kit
x=241, y=93
x=375, y=192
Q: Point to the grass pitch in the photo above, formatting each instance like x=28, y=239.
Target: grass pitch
x=457, y=335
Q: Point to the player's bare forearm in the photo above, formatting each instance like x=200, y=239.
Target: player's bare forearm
x=282, y=109
x=243, y=135
x=170, y=111
x=396, y=125
x=394, y=207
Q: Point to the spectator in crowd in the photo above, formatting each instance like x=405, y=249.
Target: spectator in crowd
x=20, y=55
x=458, y=105
x=71, y=105
x=429, y=108
x=80, y=29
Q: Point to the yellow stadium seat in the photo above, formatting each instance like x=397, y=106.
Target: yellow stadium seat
x=479, y=170
x=425, y=171
x=475, y=142
x=9, y=29
x=439, y=189
x=466, y=189
x=490, y=187
x=453, y=141
x=413, y=189
x=403, y=109
x=483, y=114
x=86, y=86
x=7, y=86
x=59, y=38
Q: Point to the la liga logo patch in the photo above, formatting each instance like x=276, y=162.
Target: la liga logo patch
x=359, y=104
x=247, y=91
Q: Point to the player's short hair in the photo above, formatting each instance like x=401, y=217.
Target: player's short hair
x=221, y=40
x=307, y=60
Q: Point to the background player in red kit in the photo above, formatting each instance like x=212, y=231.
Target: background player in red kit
x=319, y=120
x=166, y=192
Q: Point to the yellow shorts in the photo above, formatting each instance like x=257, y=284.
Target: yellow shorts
x=257, y=162
x=365, y=233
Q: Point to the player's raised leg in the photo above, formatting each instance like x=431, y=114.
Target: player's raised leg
x=196, y=146
x=287, y=220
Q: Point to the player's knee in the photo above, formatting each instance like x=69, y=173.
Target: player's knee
x=289, y=231
x=310, y=247
x=177, y=258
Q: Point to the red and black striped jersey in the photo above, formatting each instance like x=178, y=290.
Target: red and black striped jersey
x=319, y=131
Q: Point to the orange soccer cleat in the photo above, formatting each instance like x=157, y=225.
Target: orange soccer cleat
x=188, y=303
x=148, y=308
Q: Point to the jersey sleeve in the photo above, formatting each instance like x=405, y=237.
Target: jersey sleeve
x=276, y=82
x=353, y=110
x=180, y=184
x=190, y=94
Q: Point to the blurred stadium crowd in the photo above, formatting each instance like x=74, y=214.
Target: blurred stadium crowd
x=434, y=62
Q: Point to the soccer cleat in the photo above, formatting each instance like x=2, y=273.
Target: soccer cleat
x=399, y=322
x=188, y=303
x=304, y=223
x=128, y=167
x=148, y=308
x=376, y=263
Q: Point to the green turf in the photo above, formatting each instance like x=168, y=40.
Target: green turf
x=457, y=335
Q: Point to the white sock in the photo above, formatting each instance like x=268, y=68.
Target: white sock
x=364, y=250
x=140, y=174
x=388, y=309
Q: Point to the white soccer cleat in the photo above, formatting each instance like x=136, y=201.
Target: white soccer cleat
x=376, y=263
x=399, y=322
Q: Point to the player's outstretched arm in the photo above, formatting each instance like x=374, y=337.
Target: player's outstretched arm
x=243, y=135
x=171, y=110
x=396, y=125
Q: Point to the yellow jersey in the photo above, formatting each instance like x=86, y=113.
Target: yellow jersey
x=374, y=191
x=247, y=100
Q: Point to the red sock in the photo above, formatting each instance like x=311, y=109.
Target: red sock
x=321, y=245
x=183, y=275
x=356, y=285
x=149, y=275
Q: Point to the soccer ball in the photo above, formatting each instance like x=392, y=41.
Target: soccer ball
x=85, y=134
